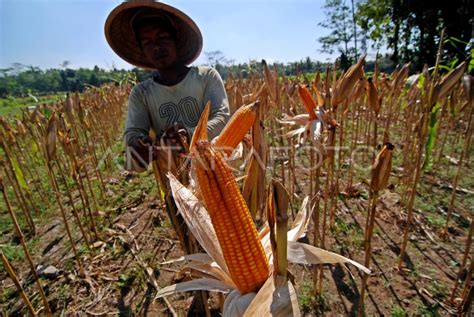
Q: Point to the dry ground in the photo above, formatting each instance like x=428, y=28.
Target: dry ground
x=136, y=237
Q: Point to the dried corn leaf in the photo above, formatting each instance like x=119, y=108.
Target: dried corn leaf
x=308, y=101
x=299, y=227
x=358, y=91
x=270, y=81
x=307, y=254
x=346, y=83
x=68, y=106
x=20, y=127
x=300, y=119
x=301, y=221
x=213, y=270
x=51, y=138
x=317, y=79
x=442, y=89
x=292, y=133
x=198, y=257
x=467, y=87
x=202, y=262
x=202, y=284
x=373, y=96
x=270, y=212
x=400, y=77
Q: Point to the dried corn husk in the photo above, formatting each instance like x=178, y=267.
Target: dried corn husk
x=442, y=88
x=382, y=168
x=347, y=82
x=373, y=96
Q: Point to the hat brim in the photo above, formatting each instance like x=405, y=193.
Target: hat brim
x=121, y=38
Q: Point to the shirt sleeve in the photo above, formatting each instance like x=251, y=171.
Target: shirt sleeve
x=219, y=112
x=138, y=118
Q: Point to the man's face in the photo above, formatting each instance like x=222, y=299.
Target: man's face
x=159, y=46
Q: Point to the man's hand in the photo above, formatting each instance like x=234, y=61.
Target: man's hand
x=176, y=135
x=143, y=151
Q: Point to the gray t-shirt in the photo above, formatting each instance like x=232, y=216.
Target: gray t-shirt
x=156, y=106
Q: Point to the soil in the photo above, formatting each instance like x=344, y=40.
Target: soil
x=136, y=236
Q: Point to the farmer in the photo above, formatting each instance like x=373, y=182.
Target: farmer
x=156, y=36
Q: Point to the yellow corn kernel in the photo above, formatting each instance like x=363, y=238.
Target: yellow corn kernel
x=230, y=216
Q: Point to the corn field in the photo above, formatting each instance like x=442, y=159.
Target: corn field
x=311, y=174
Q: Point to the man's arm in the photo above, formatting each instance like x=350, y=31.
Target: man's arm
x=138, y=118
x=219, y=112
x=137, y=128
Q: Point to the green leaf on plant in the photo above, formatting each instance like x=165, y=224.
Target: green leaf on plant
x=19, y=175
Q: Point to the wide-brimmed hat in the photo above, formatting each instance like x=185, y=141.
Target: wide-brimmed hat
x=121, y=36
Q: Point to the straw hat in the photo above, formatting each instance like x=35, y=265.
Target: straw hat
x=122, y=39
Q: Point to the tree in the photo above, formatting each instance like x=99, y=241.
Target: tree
x=411, y=29
x=65, y=64
x=218, y=60
x=340, y=21
x=215, y=57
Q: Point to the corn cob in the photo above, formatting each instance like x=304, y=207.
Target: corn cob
x=373, y=96
x=382, y=168
x=237, y=127
x=308, y=101
x=243, y=252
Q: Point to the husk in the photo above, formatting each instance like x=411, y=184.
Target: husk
x=442, y=89
x=373, y=96
x=307, y=254
x=202, y=262
x=274, y=299
x=270, y=81
x=236, y=304
x=200, y=133
x=347, y=82
x=300, y=119
x=299, y=227
x=382, y=168
x=197, y=219
x=202, y=284
x=213, y=270
x=51, y=138
x=301, y=221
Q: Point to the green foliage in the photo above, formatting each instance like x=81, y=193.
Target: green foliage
x=9, y=104
x=125, y=280
x=470, y=67
x=398, y=311
x=19, y=174
x=7, y=293
x=438, y=289
x=341, y=22
x=423, y=205
x=374, y=19
x=23, y=81
x=309, y=302
x=427, y=310
x=30, y=82
x=305, y=66
x=12, y=252
x=411, y=29
x=436, y=221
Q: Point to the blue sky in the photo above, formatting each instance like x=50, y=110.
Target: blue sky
x=45, y=33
